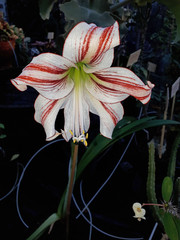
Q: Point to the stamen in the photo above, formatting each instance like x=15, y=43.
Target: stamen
x=82, y=138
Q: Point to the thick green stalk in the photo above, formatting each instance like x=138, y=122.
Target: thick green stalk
x=150, y=186
x=173, y=156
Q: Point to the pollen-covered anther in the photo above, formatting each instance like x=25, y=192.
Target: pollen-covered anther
x=82, y=138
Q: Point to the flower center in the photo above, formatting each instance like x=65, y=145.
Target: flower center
x=78, y=75
x=138, y=209
x=79, y=106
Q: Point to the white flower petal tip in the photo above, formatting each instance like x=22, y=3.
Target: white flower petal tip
x=53, y=137
x=21, y=87
x=151, y=85
x=139, y=211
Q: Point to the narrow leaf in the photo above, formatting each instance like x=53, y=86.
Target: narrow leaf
x=100, y=143
x=52, y=219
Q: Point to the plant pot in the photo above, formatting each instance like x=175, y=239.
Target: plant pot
x=6, y=54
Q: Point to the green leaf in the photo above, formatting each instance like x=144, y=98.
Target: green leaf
x=83, y=3
x=177, y=222
x=40, y=230
x=174, y=7
x=167, y=188
x=100, y=143
x=45, y=7
x=99, y=5
x=170, y=226
x=77, y=13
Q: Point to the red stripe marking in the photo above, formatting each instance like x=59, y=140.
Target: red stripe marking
x=86, y=43
x=103, y=41
x=110, y=111
x=132, y=88
x=49, y=106
x=43, y=84
x=44, y=68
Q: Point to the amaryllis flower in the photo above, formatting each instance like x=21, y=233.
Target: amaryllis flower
x=82, y=81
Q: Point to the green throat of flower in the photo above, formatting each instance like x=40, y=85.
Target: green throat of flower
x=78, y=75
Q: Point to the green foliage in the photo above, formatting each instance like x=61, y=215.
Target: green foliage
x=99, y=5
x=150, y=185
x=47, y=223
x=167, y=188
x=151, y=174
x=173, y=156
x=125, y=127
x=168, y=216
x=94, y=13
x=45, y=7
x=98, y=11
x=174, y=7
x=171, y=226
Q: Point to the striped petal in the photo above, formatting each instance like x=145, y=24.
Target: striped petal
x=115, y=84
x=48, y=74
x=109, y=113
x=88, y=43
x=104, y=61
x=103, y=93
x=76, y=113
x=46, y=111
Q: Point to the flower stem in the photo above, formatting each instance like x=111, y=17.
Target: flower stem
x=152, y=204
x=71, y=185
